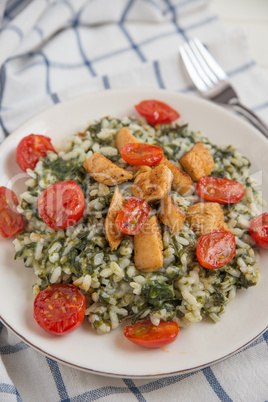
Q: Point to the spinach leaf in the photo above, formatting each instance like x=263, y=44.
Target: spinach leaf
x=156, y=292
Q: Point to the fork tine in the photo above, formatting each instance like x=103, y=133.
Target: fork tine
x=200, y=80
x=211, y=63
x=203, y=63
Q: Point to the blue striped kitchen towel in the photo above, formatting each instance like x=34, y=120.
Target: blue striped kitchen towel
x=52, y=50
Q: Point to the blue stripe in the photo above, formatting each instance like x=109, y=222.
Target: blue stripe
x=2, y=83
x=261, y=106
x=55, y=98
x=265, y=337
x=99, y=393
x=9, y=349
x=114, y=53
x=5, y=130
x=13, y=7
x=201, y=23
x=10, y=389
x=47, y=65
x=133, y=45
x=257, y=341
x=106, y=83
x=2, y=86
x=131, y=2
x=142, y=43
x=86, y=61
x=164, y=382
x=175, y=20
x=52, y=64
x=55, y=371
x=215, y=385
x=133, y=388
x=46, y=62
x=243, y=68
x=158, y=75
x=127, y=49
x=149, y=387
x=181, y=5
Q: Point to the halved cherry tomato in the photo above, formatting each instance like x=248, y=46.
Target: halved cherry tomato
x=156, y=112
x=141, y=154
x=224, y=191
x=145, y=334
x=258, y=228
x=216, y=249
x=59, y=309
x=31, y=148
x=11, y=221
x=132, y=216
x=61, y=205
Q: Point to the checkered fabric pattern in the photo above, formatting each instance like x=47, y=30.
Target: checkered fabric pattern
x=52, y=50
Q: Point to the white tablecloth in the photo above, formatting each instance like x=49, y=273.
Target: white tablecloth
x=52, y=50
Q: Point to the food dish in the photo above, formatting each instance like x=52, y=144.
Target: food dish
x=154, y=274
x=189, y=351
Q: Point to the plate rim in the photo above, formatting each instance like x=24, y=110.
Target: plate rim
x=149, y=376
x=154, y=91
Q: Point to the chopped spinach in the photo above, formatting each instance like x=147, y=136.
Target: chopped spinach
x=156, y=292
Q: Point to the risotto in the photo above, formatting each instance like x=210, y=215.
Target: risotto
x=114, y=288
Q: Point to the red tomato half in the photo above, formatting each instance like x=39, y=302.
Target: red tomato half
x=216, y=249
x=59, y=309
x=145, y=334
x=31, y=148
x=258, y=228
x=61, y=205
x=156, y=112
x=11, y=221
x=223, y=190
x=141, y=154
x=132, y=216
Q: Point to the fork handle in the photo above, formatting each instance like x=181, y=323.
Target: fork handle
x=249, y=115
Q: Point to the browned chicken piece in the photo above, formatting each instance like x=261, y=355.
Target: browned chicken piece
x=171, y=215
x=181, y=180
x=153, y=185
x=113, y=235
x=197, y=162
x=148, y=247
x=106, y=172
x=140, y=169
x=204, y=217
x=123, y=137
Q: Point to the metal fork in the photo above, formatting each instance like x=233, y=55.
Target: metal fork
x=212, y=82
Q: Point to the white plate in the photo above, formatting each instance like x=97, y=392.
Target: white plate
x=197, y=346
